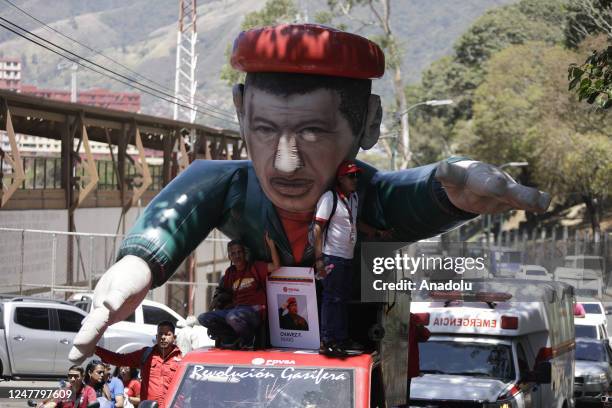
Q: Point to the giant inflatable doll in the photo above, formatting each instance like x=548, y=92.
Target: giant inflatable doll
x=306, y=105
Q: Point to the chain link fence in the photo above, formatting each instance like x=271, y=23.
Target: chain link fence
x=35, y=261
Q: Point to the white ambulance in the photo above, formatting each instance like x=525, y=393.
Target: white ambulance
x=509, y=345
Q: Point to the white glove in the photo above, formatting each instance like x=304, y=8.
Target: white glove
x=118, y=293
x=481, y=188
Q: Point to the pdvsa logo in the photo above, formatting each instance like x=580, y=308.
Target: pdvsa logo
x=258, y=361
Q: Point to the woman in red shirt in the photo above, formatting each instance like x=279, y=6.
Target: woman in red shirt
x=129, y=376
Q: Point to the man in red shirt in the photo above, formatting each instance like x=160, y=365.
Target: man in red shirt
x=235, y=324
x=158, y=364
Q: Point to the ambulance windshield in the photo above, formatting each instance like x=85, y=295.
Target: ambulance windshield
x=467, y=359
x=213, y=386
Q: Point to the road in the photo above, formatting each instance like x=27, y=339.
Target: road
x=20, y=403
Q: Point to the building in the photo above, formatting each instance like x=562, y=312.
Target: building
x=123, y=101
x=10, y=74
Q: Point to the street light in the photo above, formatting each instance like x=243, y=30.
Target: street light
x=404, y=116
x=514, y=164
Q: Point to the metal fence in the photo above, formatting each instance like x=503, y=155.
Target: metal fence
x=36, y=261
x=54, y=263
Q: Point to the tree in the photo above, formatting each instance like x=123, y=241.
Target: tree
x=591, y=80
x=457, y=77
x=523, y=113
x=273, y=12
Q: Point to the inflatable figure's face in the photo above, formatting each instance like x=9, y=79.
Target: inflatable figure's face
x=296, y=143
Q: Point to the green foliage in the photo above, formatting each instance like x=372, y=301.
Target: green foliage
x=323, y=17
x=585, y=18
x=592, y=80
x=273, y=12
x=458, y=77
x=522, y=112
x=529, y=20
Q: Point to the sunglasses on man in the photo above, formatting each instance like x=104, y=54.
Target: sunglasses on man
x=353, y=175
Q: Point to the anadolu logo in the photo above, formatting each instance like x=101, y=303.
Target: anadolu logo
x=284, y=289
x=262, y=361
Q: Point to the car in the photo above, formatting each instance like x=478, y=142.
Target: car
x=593, y=372
x=534, y=272
x=36, y=335
x=211, y=377
x=594, y=309
x=585, y=273
x=590, y=328
x=145, y=318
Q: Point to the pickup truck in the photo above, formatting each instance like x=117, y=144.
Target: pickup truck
x=584, y=272
x=36, y=336
x=145, y=319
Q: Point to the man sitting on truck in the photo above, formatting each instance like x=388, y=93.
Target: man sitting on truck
x=244, y=283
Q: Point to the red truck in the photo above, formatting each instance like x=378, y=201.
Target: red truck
x=216, y=378
x=289, y=378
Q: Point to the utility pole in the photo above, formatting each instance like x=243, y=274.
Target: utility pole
x=185, y=85
x=186, y=60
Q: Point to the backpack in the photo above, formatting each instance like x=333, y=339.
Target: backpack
x=145, y=357
x=311, y=235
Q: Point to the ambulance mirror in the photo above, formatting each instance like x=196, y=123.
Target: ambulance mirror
x=542, y=372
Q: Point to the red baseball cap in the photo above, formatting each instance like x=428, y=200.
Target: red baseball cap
x=307, y=49
x=347, y=167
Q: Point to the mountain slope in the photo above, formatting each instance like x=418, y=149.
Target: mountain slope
x=141, y=34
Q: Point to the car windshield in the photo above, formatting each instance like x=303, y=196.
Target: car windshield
x=589, y=263
x=592, y=308
x=213, y=386
x=590, y=351
x=471, y=359
x=586, y=331
x=535, y=272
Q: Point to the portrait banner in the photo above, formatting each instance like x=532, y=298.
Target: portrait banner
x=292, y=308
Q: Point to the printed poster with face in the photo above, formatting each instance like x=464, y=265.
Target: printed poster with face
x=292, y=308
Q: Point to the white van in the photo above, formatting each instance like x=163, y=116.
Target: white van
x=497, y=351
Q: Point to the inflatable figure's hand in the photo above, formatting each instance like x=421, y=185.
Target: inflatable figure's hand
x=481, y=188
x=118, y=293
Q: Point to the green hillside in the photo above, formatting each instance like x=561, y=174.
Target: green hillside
x=142, y=35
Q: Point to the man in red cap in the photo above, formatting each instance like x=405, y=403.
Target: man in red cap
x=335, y=235
x=306, y=106
x=291, y=320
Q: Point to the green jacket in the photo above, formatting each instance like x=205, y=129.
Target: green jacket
x=227, y=195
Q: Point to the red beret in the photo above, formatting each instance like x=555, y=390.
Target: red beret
x=307, y=49
x=291, y=300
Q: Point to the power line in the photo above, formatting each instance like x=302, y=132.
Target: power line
x=97, y=52
x=131, y=82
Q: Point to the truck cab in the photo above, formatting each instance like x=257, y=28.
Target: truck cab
x=490, y=351
x=211, y=377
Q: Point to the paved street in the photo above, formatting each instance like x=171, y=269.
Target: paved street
x=20, y=403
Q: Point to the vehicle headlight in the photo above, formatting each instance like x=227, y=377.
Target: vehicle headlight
x=500, y=404
x=597, y=378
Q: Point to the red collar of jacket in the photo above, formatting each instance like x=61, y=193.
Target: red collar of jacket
x=173, y=352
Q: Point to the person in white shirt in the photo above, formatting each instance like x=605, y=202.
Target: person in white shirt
x=335, y=234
